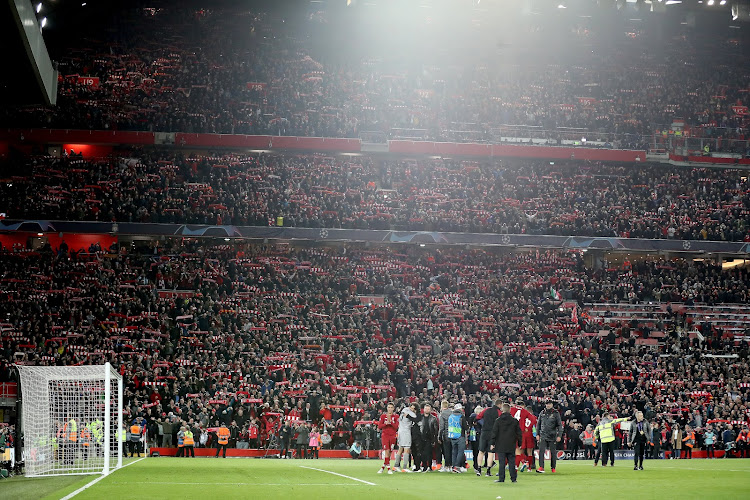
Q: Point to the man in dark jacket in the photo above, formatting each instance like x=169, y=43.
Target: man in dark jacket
x=488, y=418
x=285, y=436
x=505, y=437
x=640, y=436
x=416, y=439
x=429, y=429
x=574, y=440
x=303, y=439
x=550, y=432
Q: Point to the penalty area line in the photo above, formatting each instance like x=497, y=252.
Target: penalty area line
x=340, y=475
x=92, y=483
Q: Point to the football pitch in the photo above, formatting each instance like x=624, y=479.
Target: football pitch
x=209, y=478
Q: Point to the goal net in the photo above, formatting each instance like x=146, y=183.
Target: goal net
x=71, y=419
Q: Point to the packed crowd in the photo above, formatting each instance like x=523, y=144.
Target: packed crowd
x=207, y=335
x=524, y=196
x=253, y=73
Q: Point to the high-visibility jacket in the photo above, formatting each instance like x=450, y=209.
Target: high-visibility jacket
x=180, y=439
x=71, y=430
x=223, y=435
x=188, y=440
x=588, y=436
x=606, y=429
x=689, y=439
x=97, y=430
x=85, y=436
x=135, y=432
x=123, y=435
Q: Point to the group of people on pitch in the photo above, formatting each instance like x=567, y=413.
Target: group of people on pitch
x=501, y=434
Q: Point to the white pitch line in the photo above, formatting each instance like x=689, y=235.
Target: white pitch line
x=238, y=484
x=340, y=475
x=704, y=470
x=656, y=464
x=92, y=483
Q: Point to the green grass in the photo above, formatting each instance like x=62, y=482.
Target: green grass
x=208, y=478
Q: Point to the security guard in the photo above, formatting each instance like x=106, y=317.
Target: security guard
x=85, y=437
x=135, y=439
x=124, y=440
x=189, y=441
x=70, y=432
x=223, y=440
x=605, y=431
x=97, y=432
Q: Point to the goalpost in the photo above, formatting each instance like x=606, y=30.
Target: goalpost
x=71, y=419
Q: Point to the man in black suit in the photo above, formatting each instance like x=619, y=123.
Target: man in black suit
x=505, y=437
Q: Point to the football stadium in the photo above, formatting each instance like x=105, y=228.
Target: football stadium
x=466, y=249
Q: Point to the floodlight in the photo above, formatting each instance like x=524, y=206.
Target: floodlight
x=710, y=2
x=44, y=22
x=38, y=7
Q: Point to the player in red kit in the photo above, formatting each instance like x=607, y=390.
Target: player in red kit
x=388, y=426
x=527, y=420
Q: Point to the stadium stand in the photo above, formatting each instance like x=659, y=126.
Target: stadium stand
x=200, y=330
x=512, y=196
x=209, y=332
x=217, y=72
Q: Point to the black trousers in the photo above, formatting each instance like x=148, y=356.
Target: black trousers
x=189, y=450
x=688, y=452
x=448, y=453
x=180, y=451
x=589, y=452
x=284, y=447
x=656, y=449
x=425, y=456
x=301, y=450
x=416, y=452
x=544, y=445
x=608, y=451
x=511, y=459
x=133, y=447
x=574, y=451
x=220, y=447
x=639, y=449
x=710, y=450
x=439, y=453
x=475, y=453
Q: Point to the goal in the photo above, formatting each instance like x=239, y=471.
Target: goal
x=71, y=419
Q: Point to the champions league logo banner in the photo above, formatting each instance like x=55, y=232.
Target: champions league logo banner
x=568, y=455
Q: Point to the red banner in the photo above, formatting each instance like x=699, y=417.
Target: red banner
x=177, y=294
x=740, y=110
x=88, y=81
x=587, y=101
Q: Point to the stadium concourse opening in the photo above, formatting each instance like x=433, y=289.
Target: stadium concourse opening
x=328, y=230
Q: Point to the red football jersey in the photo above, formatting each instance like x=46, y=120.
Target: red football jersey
x=388, y=427
x=524, y=417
